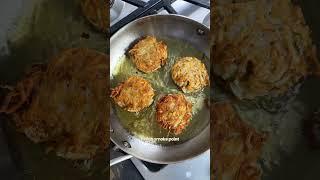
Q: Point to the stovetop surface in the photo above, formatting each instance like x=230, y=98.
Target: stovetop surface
x=133, y=9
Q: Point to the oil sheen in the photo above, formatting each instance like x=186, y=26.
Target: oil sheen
x=143, y=124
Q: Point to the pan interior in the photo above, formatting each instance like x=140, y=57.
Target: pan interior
x=143, y=124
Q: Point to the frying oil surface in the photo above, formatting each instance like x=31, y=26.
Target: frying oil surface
x=143, y=124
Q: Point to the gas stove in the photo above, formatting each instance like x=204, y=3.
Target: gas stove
x=125, y=11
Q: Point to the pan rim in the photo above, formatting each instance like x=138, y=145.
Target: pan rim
x=113, y=138
x=157, y=15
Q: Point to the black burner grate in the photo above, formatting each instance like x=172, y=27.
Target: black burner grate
x=151, y=7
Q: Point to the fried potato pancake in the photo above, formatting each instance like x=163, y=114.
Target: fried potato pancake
x=97, y=13
x=134, y=94
x=174, y=112
x=65, y=104
x=190, y=74
x=149, y=54
x=262, y=47
x=237, y=146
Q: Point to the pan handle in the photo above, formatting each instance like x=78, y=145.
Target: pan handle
x=120, y=159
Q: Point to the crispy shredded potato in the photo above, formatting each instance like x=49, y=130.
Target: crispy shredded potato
x=236, y=145
x=149, y=54
x=190, y=74
x=261, y=47
x=21, y=93
x=65, y=104
x=134, y=94
x=174, y=112
x=97, y=13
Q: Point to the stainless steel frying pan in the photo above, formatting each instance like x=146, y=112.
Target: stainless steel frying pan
x=161, y=26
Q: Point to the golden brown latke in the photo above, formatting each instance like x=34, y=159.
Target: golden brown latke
x=20, y=94
x=97, y=13
x=236, y=146
x=174, y=112
x=262, y=51
x=149, y=54
x=65, y=105
x=134, y=94
x=190, y=74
